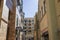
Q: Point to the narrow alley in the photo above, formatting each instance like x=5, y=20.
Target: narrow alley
x=29, y=19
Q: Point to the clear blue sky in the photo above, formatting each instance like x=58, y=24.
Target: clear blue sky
x=30, y=7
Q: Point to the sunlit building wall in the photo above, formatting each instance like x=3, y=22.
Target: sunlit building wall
x=29, y=28
x=49, y=11
x=35, y=27
x=42, y=11
x=37, y=31
x=4, y=25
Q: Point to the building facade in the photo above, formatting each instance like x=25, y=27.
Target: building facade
x=19, y=20
x=19, y=14
x=49, y=19
x=36, y=27
x=43, y=19
x=7, y=19
x=29, y=28
x=11, y=16
x=3, y=25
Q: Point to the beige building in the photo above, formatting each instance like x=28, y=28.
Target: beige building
x=19, y=20
x=36, y=27
x=7, y=20
x=49, y=19
x=29, y=28
x=3, y=26
x=42, y=11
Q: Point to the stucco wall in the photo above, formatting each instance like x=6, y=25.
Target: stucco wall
x=3, y=31
x=43, y=17
x=3, y=27
x=57, y=4
x=44, y=24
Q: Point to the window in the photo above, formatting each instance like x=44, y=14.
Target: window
x=25, y=32
x=21, y=2
x=29, y=21
x=29, y=31
x=25, y=24
x=25, y=21
x=18, y=3
x=29, y=24
x=29, y=27
x=32, y=21
x=24, y=27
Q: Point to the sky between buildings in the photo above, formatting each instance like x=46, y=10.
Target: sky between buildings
x=30, y=7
